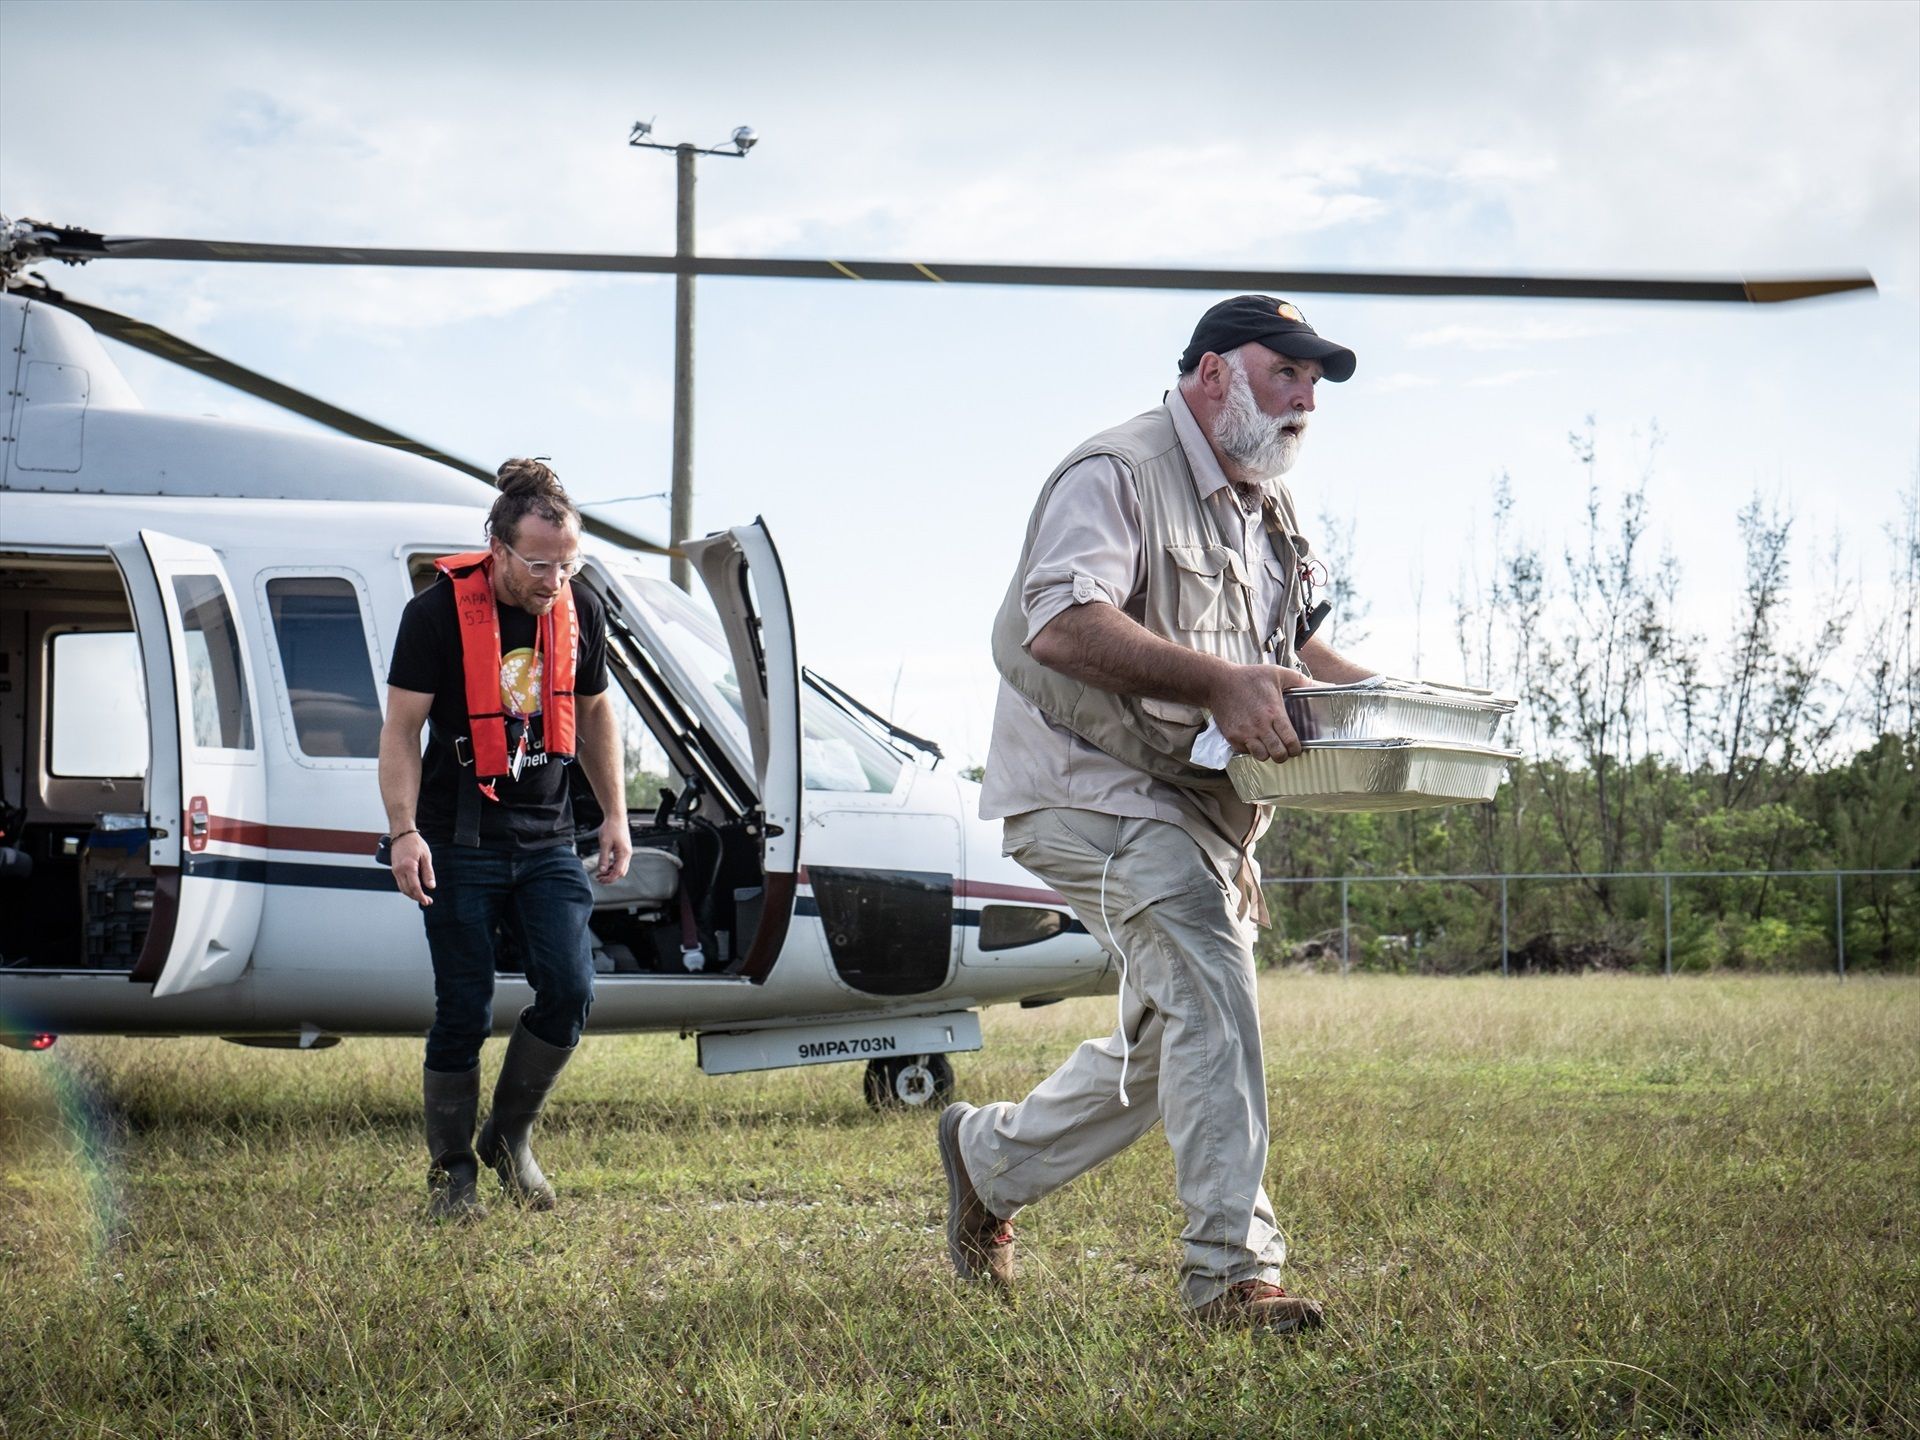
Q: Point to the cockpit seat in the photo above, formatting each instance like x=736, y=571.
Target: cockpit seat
x=651, y=881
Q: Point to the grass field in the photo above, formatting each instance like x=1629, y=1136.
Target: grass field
x=1542, y=1207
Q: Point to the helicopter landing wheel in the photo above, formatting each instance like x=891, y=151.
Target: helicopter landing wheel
x=909, y=1082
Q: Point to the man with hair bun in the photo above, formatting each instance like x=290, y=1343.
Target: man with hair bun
x=505, y=663
x=1163, y=581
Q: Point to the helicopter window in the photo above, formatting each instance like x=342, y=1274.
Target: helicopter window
x=837, y=752
x=1008, y=927
x=644, y=764
x=692, y=632
x=99, y=720
x=323, y=654
x=222, y=717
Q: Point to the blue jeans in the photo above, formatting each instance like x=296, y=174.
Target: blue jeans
x=546, y=898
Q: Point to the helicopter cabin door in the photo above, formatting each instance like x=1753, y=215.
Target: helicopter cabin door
x=741, y=570
x=206, y=782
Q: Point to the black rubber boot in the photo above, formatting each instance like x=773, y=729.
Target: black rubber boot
x=526, y=1078
x=452, y=1104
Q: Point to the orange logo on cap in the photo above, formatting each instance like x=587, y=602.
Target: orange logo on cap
x=1286, y=312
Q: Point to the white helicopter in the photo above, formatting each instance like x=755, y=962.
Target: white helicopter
x=195, y=617
x=193, y=627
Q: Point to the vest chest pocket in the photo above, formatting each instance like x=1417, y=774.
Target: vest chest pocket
x=1212, y=588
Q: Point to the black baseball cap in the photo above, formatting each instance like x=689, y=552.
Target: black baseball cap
x=1276, y=324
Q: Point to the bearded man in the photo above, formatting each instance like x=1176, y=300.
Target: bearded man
x=1163, y=580
x=505, y=663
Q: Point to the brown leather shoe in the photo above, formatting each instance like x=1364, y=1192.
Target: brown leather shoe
x=979, y=1243
x=1261, y=1305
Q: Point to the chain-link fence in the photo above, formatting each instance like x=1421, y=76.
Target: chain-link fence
x=1497, y=889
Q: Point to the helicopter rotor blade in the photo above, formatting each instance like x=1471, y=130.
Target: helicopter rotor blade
x=608, y=530
x=170, y=347
x=80, y=246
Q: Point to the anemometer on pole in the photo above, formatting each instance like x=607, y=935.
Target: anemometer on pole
x=742, y=140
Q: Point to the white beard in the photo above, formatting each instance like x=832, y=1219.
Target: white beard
x=1261, y=444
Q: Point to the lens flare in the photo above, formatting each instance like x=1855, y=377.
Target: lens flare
x=58, y=1134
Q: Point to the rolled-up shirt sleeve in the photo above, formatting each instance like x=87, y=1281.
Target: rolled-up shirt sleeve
x=1088, y=545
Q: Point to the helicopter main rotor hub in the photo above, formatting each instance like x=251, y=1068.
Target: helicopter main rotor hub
x=28, y=242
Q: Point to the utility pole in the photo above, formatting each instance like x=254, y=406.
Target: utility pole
x=743, y=139
x=680, y=525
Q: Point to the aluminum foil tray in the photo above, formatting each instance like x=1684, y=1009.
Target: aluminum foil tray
x=1397, y=710
x=1394, y=774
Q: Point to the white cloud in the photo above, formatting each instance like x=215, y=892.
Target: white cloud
x=1514, y=336
x=1490, y=165
x=1151, y=203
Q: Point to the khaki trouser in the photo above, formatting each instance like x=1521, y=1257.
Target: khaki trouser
x=1189, y=1017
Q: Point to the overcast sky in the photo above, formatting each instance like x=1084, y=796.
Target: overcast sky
x=894, y=436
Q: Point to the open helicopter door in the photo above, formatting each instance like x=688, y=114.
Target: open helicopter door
x=206, y=781
x=741, y=569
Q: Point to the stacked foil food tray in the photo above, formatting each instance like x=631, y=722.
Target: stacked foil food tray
x=1383, y=745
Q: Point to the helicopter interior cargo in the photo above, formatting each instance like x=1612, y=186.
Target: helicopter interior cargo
x=76, y=890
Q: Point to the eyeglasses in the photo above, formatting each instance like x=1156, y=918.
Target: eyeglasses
x=541, y=569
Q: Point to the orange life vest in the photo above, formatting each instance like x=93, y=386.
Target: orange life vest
x=556, y=640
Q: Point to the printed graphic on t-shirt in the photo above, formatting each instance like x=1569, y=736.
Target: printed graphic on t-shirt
x=520, y=674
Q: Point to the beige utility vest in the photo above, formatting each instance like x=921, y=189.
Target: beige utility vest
x=1198, y=595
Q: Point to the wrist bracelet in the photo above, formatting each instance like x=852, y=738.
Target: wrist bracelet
x=404, y=833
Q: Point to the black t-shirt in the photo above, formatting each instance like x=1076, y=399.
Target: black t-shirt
x=534, y=811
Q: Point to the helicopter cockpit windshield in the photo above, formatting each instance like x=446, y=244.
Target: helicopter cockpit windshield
x=838, y=751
